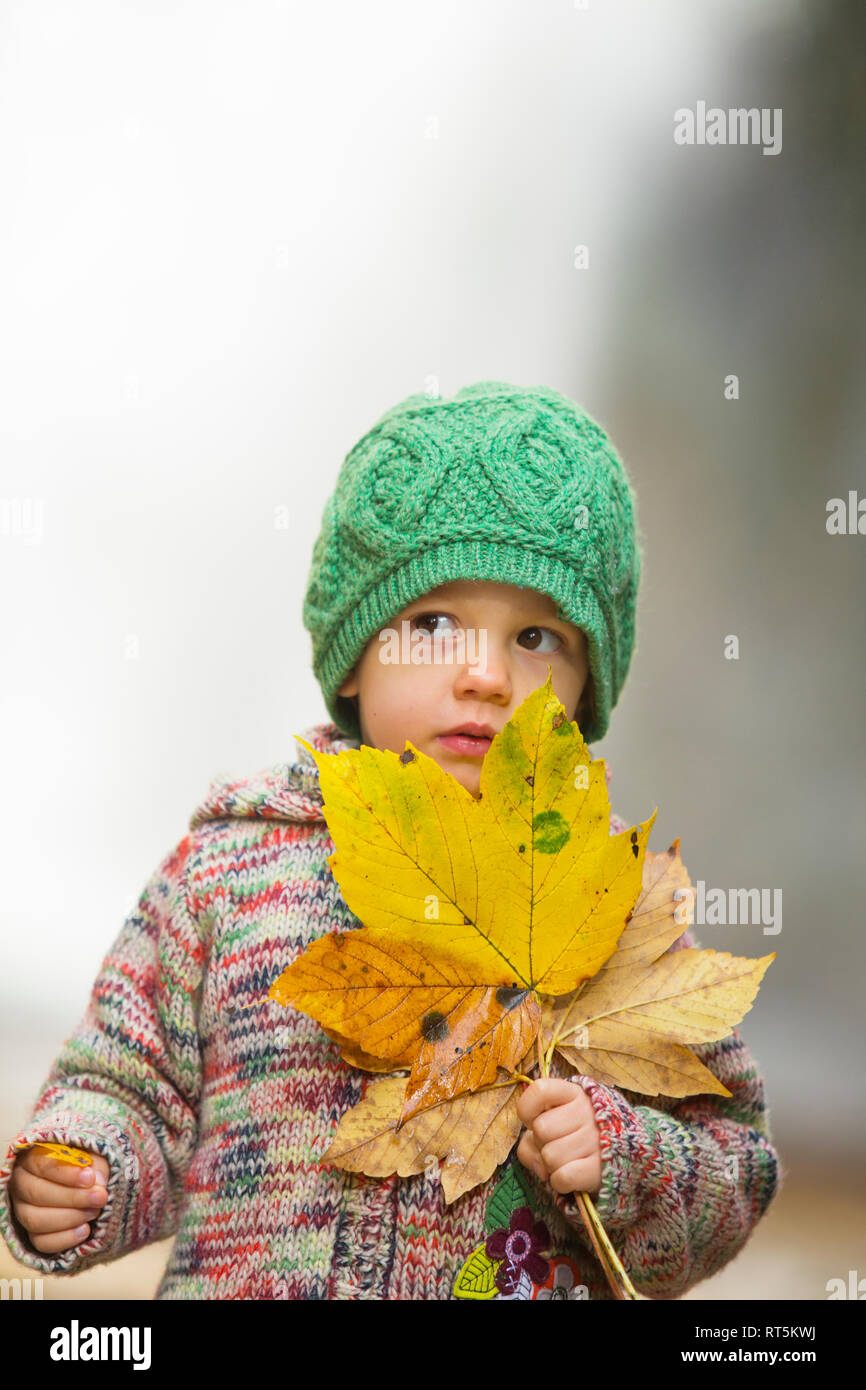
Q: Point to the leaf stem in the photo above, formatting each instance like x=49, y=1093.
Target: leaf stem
x=614, y=1270
x=560, y=1034
x=612, y=1267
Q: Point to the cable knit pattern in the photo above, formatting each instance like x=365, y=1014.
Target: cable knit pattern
x=214, y=1116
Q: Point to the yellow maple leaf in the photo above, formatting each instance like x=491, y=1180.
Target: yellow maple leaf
x=472, y=908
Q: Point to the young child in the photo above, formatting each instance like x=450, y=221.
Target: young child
x=506, y=512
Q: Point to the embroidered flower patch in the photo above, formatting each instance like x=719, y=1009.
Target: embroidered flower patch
x=514, y=1262
x=519, y=1251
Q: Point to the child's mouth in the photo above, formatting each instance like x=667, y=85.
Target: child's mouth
x=465, y=743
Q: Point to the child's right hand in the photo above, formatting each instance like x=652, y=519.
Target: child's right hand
x=51, y=1199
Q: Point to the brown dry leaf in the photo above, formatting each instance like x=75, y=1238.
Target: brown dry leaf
x=652, y=1066
x=687, y=996
x=473, y=1133
x=658, y=917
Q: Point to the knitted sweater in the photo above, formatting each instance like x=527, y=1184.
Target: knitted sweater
x=214, y=1119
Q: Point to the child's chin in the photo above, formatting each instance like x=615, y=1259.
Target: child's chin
x=469, y=781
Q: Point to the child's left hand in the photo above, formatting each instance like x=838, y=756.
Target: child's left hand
x=561, y=1142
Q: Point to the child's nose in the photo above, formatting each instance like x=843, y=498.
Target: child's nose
x=489, y=676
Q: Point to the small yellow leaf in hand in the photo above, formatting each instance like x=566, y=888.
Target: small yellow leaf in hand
x=64, y=1153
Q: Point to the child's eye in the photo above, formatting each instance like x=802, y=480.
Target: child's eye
x=429, y=623
x=427, y=618
x=535, y=634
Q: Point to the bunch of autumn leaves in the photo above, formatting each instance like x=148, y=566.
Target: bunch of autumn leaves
x=499, y=931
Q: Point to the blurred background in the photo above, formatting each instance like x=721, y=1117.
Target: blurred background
x=231, y=236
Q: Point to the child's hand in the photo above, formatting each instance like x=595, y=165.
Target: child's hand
x=50, y=1199
x=561, y=1142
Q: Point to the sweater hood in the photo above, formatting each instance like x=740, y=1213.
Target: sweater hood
x=287, y=791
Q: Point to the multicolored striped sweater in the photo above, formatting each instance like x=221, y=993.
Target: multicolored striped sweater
x=214, y=1117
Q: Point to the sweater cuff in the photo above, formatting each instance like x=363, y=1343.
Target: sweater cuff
x=627, y=1158
x=123, y=1222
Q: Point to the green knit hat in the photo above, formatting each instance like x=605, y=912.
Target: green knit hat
x=506, y=483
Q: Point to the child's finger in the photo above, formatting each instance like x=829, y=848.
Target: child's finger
x=60, y=1240
x=25, y=1186
x=541, y=1094
x=574, y=1114
x=45, y=1164
x=51, y=1220
x=529, y=1155
x=571, y=1148
x=578, y=1175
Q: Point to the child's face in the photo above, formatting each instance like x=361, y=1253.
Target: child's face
x=423, y=701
